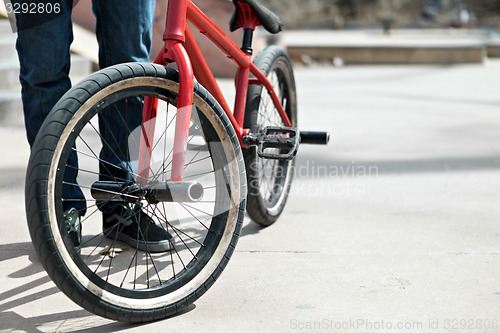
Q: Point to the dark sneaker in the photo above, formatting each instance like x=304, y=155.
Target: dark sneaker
x=74, y=227
x=136, y=228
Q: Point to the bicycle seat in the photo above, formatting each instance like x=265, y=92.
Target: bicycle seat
x=269, y=20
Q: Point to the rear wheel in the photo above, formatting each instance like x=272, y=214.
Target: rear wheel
x=269, y=180
x=73, y=153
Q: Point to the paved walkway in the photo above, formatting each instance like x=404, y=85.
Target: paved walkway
x=395, y=224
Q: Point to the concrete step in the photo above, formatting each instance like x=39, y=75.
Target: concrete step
x=7, y=47
x=5, y=27
x=9, y=64
x=400, y=47
x=9, y=75
x=10, y=91
x=355, y=55
x=494, y=49
x=11, y=111
x=9, y=71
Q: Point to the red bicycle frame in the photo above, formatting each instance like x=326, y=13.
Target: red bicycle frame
x=180, y=47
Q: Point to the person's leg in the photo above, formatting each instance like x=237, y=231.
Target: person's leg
x=124, y=30
x=124, y=33
x=43, y=51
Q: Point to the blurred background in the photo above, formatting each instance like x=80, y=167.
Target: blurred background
x=334, y=32
x=352, y=14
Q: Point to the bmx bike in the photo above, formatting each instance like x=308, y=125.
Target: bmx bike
x=186, y=160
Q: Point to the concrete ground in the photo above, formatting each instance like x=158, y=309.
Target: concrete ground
x=393, y=226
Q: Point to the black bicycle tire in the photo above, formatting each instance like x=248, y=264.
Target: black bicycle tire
x=266, y=61
x=43, y=237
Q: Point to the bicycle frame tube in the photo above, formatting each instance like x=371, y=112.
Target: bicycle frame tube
x=174, y=37
x=244, y=62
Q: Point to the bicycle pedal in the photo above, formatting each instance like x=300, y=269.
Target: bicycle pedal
x=286, y=139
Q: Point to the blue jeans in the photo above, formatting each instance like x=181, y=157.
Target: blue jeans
x=124, y=33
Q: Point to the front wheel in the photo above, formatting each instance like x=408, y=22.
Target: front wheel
x=269, y=180
x=91, y=140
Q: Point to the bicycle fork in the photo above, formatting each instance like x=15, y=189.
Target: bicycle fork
x=174, y=51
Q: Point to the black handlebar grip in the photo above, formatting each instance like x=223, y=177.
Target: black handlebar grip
x=314, y=138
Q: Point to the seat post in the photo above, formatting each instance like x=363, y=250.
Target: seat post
x=242, y=77
x=247, y=41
